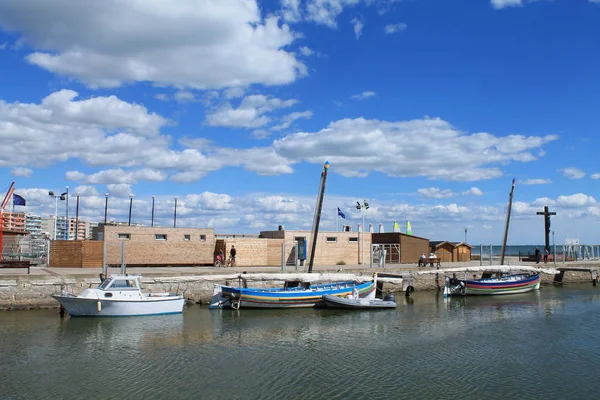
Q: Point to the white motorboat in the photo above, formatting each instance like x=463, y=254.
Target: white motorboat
x=353, y=301
x=120, y=295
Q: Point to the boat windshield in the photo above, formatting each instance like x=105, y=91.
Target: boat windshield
x=106, y=283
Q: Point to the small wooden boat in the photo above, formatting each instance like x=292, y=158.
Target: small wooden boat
x=293, y=294
x=353, y=302
x=493, y=283
x=120, y=295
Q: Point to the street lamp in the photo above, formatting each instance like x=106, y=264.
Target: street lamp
x=554, y=249
x=67, y=224
x=56, y=197
x=105, y=207
x=362, y=207
x=130, y=206
x=77, y=218
x=466, y=235
x=175, y=214
x=152, y=223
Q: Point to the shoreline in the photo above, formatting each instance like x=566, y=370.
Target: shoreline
x=20, y=291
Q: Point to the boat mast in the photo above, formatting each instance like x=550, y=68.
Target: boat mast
x=317, y=218
x=510, y=198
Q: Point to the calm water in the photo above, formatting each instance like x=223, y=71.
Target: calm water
x=541, y=345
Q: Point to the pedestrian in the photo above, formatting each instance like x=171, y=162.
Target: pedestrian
x=546, y=254
x=232, y=254
x=537, y=255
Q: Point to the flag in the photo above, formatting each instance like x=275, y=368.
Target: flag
x=18, y=200
x=396, y=227
x=408, y=228
x=371, y=228
x=341, y=214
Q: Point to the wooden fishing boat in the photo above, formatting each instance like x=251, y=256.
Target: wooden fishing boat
x=293, y=295
x=120, y=295
x=493, y=283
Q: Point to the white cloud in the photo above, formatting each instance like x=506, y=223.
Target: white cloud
x=249, y=114
x=278, y=204
x=21, y=171
x=436, y=193
x=290, y=10
x=357, y=25
x=208, y=44
x=498, y=4
x=74, y=175
x=325, y=12
x=451, y=209
x=86, y=190
x=596, y=176
x=208, y=201
x=575, y=201
x=287, y=120
x=119, y=190
x=536, y=181
x=394, y=28
x=161, y=97
x=473, y=192
x=184, y=96
x=305, y=51
x=573, y=173
x=234, y=93
x=260, y=134
x=363, y=95
x=408, y=149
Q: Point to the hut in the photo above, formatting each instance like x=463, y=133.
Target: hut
x=400, y=247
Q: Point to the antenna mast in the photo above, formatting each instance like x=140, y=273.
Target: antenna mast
x=510, y=198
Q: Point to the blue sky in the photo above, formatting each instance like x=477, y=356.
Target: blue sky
x=426, y=108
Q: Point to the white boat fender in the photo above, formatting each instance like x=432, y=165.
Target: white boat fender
x=99, y=306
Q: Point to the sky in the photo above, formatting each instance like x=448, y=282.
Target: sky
x=427, y=109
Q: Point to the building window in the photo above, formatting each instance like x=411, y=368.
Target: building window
x=353, y=239
x=160, y=236
x=187, y=238
x=203, y=238
x=124, y=236
x=331, y=239
x=299, y=239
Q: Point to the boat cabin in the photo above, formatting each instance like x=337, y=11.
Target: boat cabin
x=120, y=283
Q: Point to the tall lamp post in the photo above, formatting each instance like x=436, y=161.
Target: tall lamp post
x=554, y=249
x=362, y=207
x=466, y=235
x=152, y=223
x=77, y=218
x=175, y=214
x=56, y=197
x=130, y=206
x=105, y=207
x=67, y=224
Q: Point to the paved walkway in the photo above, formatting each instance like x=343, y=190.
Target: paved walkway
x=166, y=271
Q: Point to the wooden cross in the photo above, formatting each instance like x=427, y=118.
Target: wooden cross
x=547, y=215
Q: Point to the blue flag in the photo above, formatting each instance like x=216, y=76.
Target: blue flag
x=18, y=200
x=341, y=214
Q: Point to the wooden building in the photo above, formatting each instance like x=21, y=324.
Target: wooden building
x=401, y=248
x=451, y=251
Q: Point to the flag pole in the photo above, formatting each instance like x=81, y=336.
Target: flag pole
x=337, y=220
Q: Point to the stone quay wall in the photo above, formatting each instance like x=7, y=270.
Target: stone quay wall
x=33, y=292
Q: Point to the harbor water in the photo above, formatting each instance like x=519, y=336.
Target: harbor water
x=539, y=345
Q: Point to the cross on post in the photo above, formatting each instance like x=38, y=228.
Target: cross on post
x=546, y=215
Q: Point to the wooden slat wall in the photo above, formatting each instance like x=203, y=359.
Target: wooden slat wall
x=92, y=254
x=274, y=251
x=76, y=254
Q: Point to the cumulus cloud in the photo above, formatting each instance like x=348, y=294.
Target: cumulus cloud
x=21, y=171
x=575, y=201
x=208, y=44
x=357, y=25
x=208, y=201
x=119, y=189
x=249, y=114
x=436, y=193
x=408, y=149
x=596, y=176
x=394, y=28
x=498, y=4
x=536, y=181
x=573, y=173
x=473, y=192
x=287, y=120
x=363, y=95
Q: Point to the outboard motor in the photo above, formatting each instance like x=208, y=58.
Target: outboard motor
x=389, y=297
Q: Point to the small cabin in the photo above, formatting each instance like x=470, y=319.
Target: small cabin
x=443, y=249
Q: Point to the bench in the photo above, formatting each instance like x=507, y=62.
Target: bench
x=16, y=264
x=430, y=261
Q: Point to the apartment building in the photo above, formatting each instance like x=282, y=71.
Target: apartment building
x=13, y=221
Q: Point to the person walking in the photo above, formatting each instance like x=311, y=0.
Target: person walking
x=232, y=254
x=537, y=255
x=546, y=254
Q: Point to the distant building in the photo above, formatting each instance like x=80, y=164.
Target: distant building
x=33, y=224
x=13, y=221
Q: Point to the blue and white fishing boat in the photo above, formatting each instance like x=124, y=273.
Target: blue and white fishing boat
x=119, y=296
x=494, y=282
x=293, y=294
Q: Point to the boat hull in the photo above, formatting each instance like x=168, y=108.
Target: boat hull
x=357, y=304
x=511, y=284
x=86, y=307
x=294, y=298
